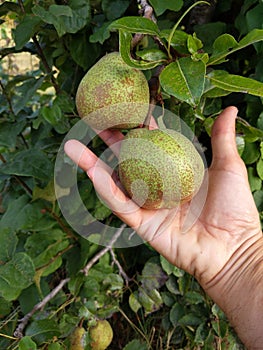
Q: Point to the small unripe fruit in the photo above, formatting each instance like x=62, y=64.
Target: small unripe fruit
x=113, y=95
x=76, y=339
x=101, y=335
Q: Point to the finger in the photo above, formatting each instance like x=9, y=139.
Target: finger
x=113, y=138
x=114, y=197
x=101, y=176
x=223, y=136
x=82, y=156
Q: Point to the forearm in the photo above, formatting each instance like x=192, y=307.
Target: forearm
x=238, y=291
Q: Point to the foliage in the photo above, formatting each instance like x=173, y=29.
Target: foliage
x=50, y=275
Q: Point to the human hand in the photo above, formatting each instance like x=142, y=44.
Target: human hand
x=228, y=222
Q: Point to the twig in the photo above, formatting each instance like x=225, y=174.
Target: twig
x=24, y=321
x=117, y=263
x=147, y=11
x=39, y=306
x=103, y=251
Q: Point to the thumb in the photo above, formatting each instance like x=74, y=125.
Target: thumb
x=223, y=136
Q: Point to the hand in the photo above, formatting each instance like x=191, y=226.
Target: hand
x=229, y=219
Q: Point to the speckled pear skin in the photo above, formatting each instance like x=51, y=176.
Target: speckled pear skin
x=113, y=95
x=159, y=168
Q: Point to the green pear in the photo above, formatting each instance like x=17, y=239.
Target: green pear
x=113, y=95
x=101, y=335
x=159, y=168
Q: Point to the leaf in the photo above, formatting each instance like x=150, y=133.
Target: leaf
x=190, y=320
x=160, y=6
x=71, y=20
x=114, y=9
x=223, y=45
x=16, y=275
x=135, y=25
x=184, y=79
x=235, y=83
x=258, y=198
x=9, y=132
x=25, y=30
x=254, y=20
x=29, y=162
x=29, y=216
x=170, y=268
x=54, y=116
x=25, y=92
x=260, y=168
x=26, y=343
x=254, y=181
x=153, y=276
x=43, y=330
x=136, y=345
x=176, y=313
x=60, y=10
x=134, y=303
x=125, y=50
x=251, y=153
x=8, y=245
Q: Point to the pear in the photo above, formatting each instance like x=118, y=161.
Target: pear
x=101, y=335
x=159, y=168
x=77, y=339
x=113, y=95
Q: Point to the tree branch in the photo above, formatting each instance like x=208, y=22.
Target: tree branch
x=103, y=251
x=39, y=306
x=24, y=321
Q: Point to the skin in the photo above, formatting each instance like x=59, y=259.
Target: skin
x=223, y=249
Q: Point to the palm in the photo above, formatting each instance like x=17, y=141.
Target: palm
x=228, y=216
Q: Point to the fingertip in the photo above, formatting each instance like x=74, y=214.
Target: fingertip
x=225, y=120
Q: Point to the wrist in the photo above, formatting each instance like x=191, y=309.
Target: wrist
x=238, y=291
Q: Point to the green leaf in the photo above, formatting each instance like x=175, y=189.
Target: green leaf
x=25, y=30
x=251, y=153
x=136, y=345
x=60, y=10
x=125, y=50
x=100, y=34
x=43, y=330
x=184, y=79
x=176, y=313
x=194, y=297
x=258, y=198
x=29, y=216
x=254, y=181
x=190, y=320
x=27, y=343
x=114, y=9
x=25, y=92
x=71, y=20
x=16, y=275
x=134, y=303
x=135, y=25
x=43, y=247
x=8, y=243
x=9, y=132
x=235, y=83
x=160, y=6
x=223, y=45
x=170, y=268
x=30, y=162
x=254, y=20
x=260, y=168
